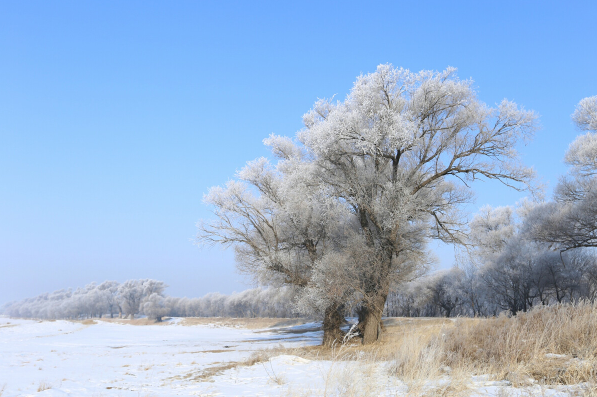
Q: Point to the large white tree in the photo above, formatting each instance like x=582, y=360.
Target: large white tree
x=373, y=179
x=400, y=153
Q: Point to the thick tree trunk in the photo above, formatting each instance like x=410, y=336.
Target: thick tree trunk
x=370, y=325
x=332, y=320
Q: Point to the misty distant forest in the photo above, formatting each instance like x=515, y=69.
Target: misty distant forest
x=340, y=223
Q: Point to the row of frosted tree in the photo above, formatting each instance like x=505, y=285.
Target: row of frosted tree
x=345, y=211
x=146, y=297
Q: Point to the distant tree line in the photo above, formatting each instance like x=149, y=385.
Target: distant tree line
x=146, y=297
x=512, y=285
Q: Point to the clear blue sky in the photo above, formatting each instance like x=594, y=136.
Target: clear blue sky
x=116, y=117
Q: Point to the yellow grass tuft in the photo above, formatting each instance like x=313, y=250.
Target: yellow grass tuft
x=43, y=385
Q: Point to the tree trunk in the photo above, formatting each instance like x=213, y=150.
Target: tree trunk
x=370, y=313
x=370, y=324
x=332, y=320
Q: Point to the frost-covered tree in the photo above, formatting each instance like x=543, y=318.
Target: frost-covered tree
x=585, y=115
x=445, y=292
x=154, y=306
x=519, y=271
x=399, y=153
x=506, y=259
x=283, y=227
x=109, y=291
x=133, y=292
x=571, y=220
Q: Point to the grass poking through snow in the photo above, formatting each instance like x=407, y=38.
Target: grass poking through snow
x=553, y=345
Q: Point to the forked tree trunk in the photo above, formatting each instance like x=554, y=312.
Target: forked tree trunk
x=332, y=320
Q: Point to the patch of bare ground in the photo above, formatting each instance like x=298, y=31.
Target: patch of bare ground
x=249, y=323
x=208, y=351
x=8, y=325
x=206, y=374
x=213, y=351
x=136, y=321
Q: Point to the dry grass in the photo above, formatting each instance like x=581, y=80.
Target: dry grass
x=276, y=378
x=43, y=385
x=136, y=321
x=249, y=323
x=206, y=374
x=554, y=345
x=87, y=321
x=2, y=388
x=550, y=345
x=398, y=333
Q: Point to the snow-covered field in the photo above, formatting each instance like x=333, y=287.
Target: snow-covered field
x=62, y=358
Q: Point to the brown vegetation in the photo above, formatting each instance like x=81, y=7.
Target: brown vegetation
x=249, y=323
x=549, y=345
x=43, y=386
x=555, y=344
x=136, y=321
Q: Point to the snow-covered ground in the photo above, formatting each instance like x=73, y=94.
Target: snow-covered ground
x=62, y=358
